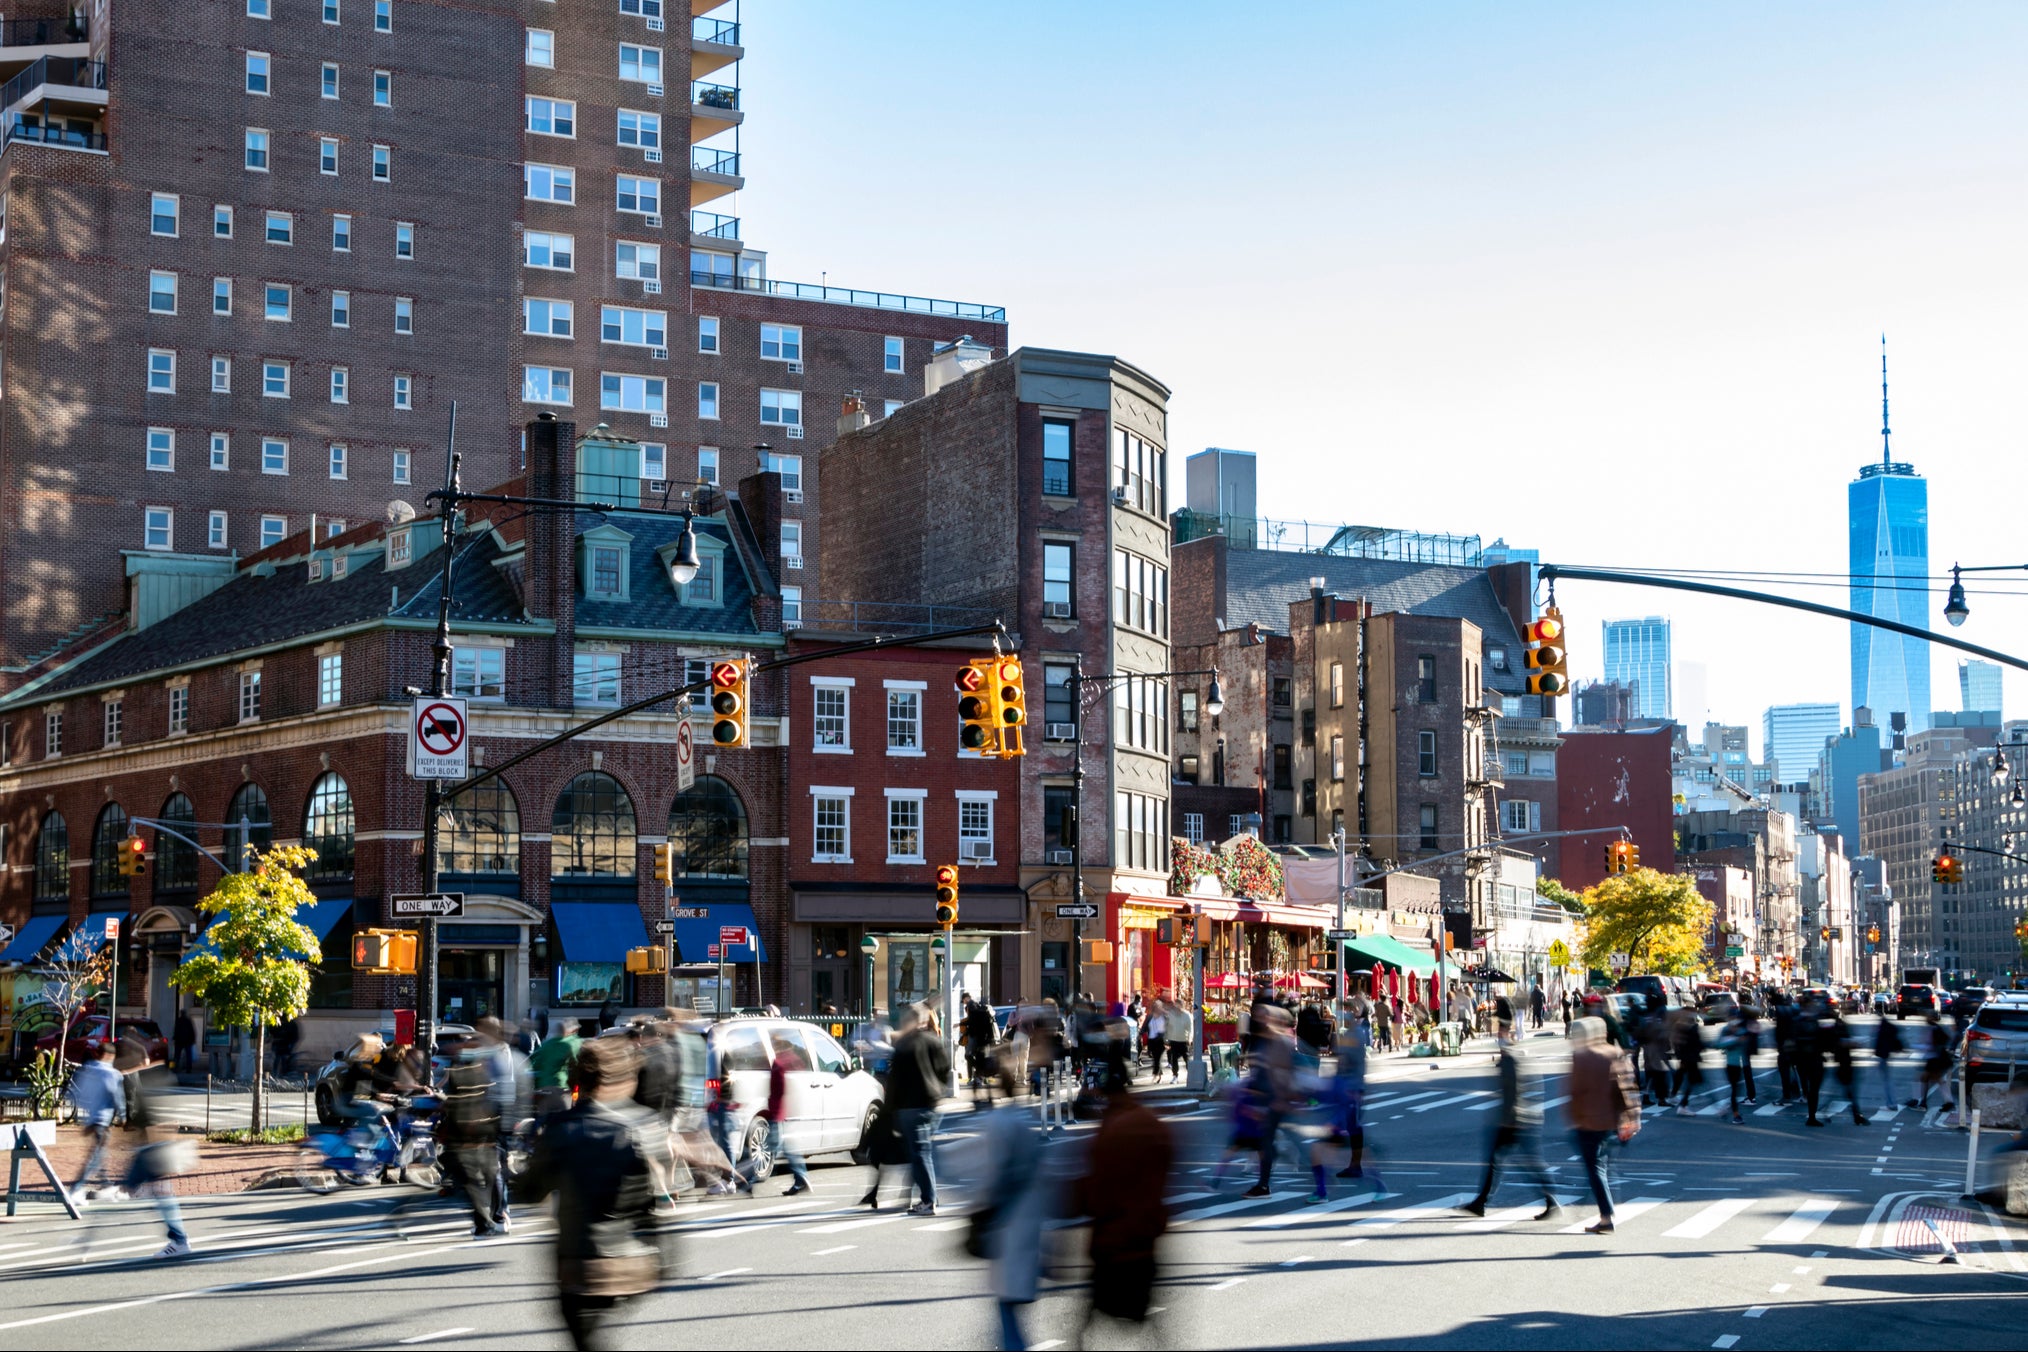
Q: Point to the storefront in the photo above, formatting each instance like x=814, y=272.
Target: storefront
x=853, y=952
x=1245, y=939
x=1132, y=923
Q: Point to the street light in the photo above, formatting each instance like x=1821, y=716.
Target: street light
x=684, y=566
x=1214, y=701
x=2000, y=767
x=1955, y=609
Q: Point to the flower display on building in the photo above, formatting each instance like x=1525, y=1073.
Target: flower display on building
x=1244, y=868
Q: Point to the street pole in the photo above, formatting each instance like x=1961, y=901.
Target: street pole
x=1338, y=946
x=1077, y=828
x=433, y=793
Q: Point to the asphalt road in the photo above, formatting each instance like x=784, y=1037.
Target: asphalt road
x=1767, y=1234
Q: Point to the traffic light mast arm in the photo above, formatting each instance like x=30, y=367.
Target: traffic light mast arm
x=1550, y=572
x=1361, y=880
x=167, y=830
x=1953, y=847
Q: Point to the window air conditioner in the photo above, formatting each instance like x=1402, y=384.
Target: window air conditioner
x=795, y=368
x=651, y=287
x=1059, y=732
x=652, y=156
x=1057, y=856
x=793, y=495
x=654, y=91
x=1056, y=610
x=980, y=850
x=658, y=420
x=1120, y=497
x=793, y=562
x=659, y=353
x=658, y=486
x=656, y=26
x=795, y=432
x=654, y=221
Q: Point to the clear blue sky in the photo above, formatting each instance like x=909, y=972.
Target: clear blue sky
x=1607, y=280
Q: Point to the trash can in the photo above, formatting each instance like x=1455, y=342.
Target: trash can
x=1450, y=1038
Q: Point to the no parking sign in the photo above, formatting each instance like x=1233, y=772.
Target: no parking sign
x=437, y=739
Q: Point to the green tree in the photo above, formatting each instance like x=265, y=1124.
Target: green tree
x=1556, y=894
x=1659, y=920
x=253, y=968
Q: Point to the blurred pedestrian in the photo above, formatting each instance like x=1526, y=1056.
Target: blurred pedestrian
x=1836, y=1035
x=1537, y=1003
x=594, y=1158
x=1566, y=1013
x=1121, y=1190
x=1344, y=1105
x=470, y=1124
x=1936, y=1062
x=782, y=1110
x=1007, y=1227
x=99, y=1094
x=1686, y=1038
x=1808, y=1059
x=549, y=1069
x=1179, y=1035
x=1785, y=1036
x=916, y=1084
x=1514, y=1132
x=1654, y=1043
x=185, y=1041
x=1274, y=1056
x=1736, y=1048
x=655, y=1089
x=1886, y=1044
x=979, y=1033
x=1604, y=1102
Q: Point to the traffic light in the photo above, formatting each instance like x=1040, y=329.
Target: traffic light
x=1548, y=669
x=133, y=857
x=1947, y=869
x=728, y=702
x=665, y=864
x=1873, y=934
x=1010, y=705
x=1633, y=856
x=1824, y=933
x=981, y=731
x=389, y=951
x=947, y=894
x=647, y=961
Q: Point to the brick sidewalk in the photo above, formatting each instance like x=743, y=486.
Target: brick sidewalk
x=220, y=1168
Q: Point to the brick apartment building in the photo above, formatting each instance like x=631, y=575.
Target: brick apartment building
x=269, y=706
x=253, y=251
x=1234, y=771
x=1033, y=488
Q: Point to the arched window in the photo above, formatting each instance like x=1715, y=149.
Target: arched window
x=707, y=826
x=175, y=861
x=52, y=858
x=479, y=831
x=248, y=806
x=107, y=880
x=327, y=829
x=591, y=834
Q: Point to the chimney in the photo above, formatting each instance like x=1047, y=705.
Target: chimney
x=953, y=360
x=549, y=567
x=854, y=416
x=1316, y=600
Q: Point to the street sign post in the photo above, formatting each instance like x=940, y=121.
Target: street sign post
x=1341, y=936
x=1619, y=960
x=437, y=741
x=1559, y=954
x=1077, y=910
x=732, y=936
x=442, y=905
x=686, y=757
x=665, y=927
x=1734, y=951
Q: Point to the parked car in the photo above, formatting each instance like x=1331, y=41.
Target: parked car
x=88, y=1032
x=835, y=1103
x=1717, y=1006
x=1914, y=1001
x=1649, y=989
x=1996, y=1045
x=450, y=1038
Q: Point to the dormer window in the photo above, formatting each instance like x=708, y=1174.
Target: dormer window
x=702, y=590
x=605, y=571
x=603, y=563
x=398, y=548
x=316, y=568
x=337, y=566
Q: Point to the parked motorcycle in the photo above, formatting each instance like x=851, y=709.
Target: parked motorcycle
x=405, y=1148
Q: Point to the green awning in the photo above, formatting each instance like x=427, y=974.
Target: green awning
x=1390, y=950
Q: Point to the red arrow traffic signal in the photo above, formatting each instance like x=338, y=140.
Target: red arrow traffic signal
x=971, y=679
x=725, y=673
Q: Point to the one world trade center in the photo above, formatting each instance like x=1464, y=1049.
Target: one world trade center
x=1889, y=521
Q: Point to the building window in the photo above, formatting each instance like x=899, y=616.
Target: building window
x=383, y=16
x=642, y=65
x=1139, y=473
x=341, y=234
x=162, y=449
x=221, y=450
x=891, y=356
x=1056, y=477
x=830, y=723
x=1140, y=593
x=904, y=721
x=790, y=467
x=1059, y=817
x=707, y=464
x=605, y=570
x=257, y=67
x=162, y=293
x=52, y=735
x=546, y=318
x=1337, y=756
x=707, y=333
x=595, y=678
x=341, y=380
x=1282, y=779
x=221, y=221
x=1140, y=832
x=890, y=407
x=179, y=709
x=642, y=196
x=1059, y=560
x=1193, y=827
x=975, y=829
x=383, y=164
x=221, y=295
x=551, y=117
x=274, y=529
x=654, y=460
x=328, y=829
x=549, y=183
x=257, y=150
x=1059, y=706
x=327, y=155
x=248, y=825
x=275, y=379
x=279, y=302
x=541, y=50
x=641, y=130
x=1337, y=685
x=338, y=465
x=478, y=673
x=161, y=371
x=281, y=228
x=215, y=530
x=404, y=241
x=545, y=384
x=904, y=830
x=163, y=211
x=1426, y=754
x=638, y=328
x=330, y=79
x=592, y=829
x=111, y=829
x=274, y=455
x=1282, y=692
x=52, y=846
x=479, y=831
x=401, y=467
x=1518, y=816
x=1186, y=711
x=792, y=542
x=1425, y=680
x=781, y=342
x=404, y=315
x=1309, y=732
x=633, y=394
x=404, y=391
x=158, y=528
x=633, y=261
x=707, y=399
x=707, y=827
x=781, y=408
x=792, y=607
x=249, y=696
x=832, y=839
x=383, y=89
x=1428, y=820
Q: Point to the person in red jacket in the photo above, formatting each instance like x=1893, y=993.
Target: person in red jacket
x=780, y=1108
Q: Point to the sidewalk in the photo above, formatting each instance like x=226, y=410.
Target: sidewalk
x=220, y=1168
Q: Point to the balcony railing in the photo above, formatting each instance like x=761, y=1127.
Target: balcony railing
x=889, y=617
x=711, y=225
x=43, y=32
x=56, y=70
x=705, y=160
x=845, y=295
x=714, y=95
x=724, y=32
x=20, y=129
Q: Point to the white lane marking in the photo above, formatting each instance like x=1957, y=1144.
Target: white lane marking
x=1185, y=1117
x=432, y=1337
x=1222, y=1208
x=1802, y=1222
x=729, y=1272
x=1755, y=1313
x=1180, y=1198
x=1714, y=1108
x=1726, y=1340
x=946, y=1225
x=1046, y=1344
x=1709, y=1219
x=1888, y=1115
x=1800, y=1271
x=1396, y=1100
x=1387, y=1220
x=1887, y=1150
x=1351, y=1242
x=1770, y=1110
x=1318, y=1209
x=835, y=1248
x=1447, y=1102
x=1622, y=1213
x=1297, y=1262
x=1779, y=1288
x=1556, y=1102
x=839, y=1227
x=1833, y=1109
x=1500, y=1220
x=1226, y=1285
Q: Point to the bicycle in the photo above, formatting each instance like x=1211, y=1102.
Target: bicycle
x=407, y=1148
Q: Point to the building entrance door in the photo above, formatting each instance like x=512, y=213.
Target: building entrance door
x=470, y=984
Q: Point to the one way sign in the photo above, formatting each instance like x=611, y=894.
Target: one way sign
x=437, y=738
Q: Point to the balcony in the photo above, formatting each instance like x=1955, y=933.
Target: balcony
x=58, y=81
x=714, y=45
x=713, y=174
x=74, y=137
x=844, y=295
x=711, y=225
x=714, y=108
x=706, y=6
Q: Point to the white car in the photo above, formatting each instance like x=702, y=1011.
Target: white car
x=832, y=1104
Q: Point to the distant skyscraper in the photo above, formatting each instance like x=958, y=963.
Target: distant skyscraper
x=1793, y=737
x=1637, y=656
x=1979, y=686
x=1889, y=517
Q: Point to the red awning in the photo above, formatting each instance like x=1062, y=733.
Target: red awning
x=1152, y=903
x=1294, y=917
x=1215, y=908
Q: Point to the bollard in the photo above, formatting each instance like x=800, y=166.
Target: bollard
x=1972, y=1158
x=207, y=1103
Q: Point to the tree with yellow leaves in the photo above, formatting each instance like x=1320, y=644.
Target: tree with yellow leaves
x=1659, y=920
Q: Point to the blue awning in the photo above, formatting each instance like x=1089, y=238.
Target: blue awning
x=31, y=937
x=694, y=938
x=92, y=929
x=596, y=931
x=323, y=917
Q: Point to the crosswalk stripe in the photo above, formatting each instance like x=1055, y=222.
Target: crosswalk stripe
x=1396, y=1100
x=1317, y=1209
x=1556, y=1102
x=1387, y=1220
x=1484, y=1107
x=1802, y=1222
x=1622, y=1213
x=1709, y=1219
x=1887, y=1114
x=1770, y=1110
x=1833, y=1109
x=1222, y=1208
x=1500, y=1220
x=839, y=1227
x=1180, y=1198
x=1456, y=1098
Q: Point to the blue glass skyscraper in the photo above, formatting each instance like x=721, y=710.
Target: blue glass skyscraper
x=1888, y=507
x=1637, y=656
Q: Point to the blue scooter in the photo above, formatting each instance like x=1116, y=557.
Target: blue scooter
x=358, y=1156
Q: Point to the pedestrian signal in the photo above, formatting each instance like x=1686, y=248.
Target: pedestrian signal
x=981, y=730
x=1548, y=662
x=388, y=951
x=947, y=894
x=647, y=961
x=728, y=702
x=1010, y=705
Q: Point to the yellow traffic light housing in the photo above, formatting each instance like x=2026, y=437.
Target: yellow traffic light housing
x=1010, y=702
x=387, y=951
x=1824, y=933
x=976, y=689
x=728, y=702
x=1548, y=661
x=133, y=857
x=647, y=961
x=665, y=864
x=947, y=894
x=1621, y=856
x=1873, y=934
x=1633, y=856
x=1947, y=870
